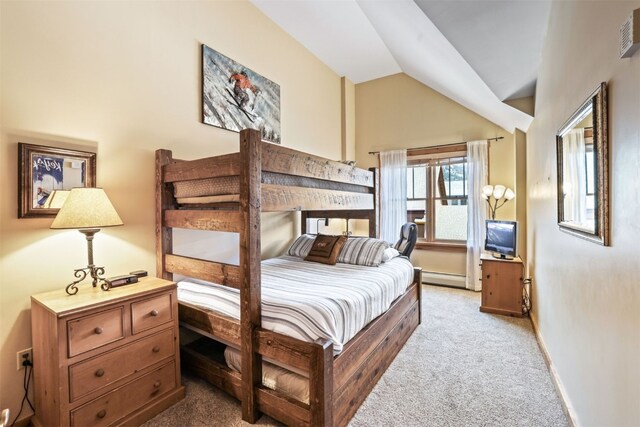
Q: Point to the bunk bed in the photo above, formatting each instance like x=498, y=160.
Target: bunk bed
x=264, y=177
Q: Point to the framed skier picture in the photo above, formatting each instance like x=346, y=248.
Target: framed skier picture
x=235, y=97
x=43, y=174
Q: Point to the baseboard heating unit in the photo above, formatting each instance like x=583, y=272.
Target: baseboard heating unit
x=443, y=279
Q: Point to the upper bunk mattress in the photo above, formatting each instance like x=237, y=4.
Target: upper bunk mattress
x=308, y=300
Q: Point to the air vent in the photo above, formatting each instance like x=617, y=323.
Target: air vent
x=630, y=35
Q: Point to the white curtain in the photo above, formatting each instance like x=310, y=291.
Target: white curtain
x=477, y=166
x=574, y=176
x=393, y=193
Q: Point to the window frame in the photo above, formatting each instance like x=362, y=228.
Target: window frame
x=429, y=241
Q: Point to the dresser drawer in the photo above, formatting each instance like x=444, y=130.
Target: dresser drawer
x=111, y=407
x=110, y=367
x=96, y=330
x=150, y=313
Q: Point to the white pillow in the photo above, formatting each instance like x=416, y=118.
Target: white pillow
x=363, y=251
x=302, y=245
x=389, y=254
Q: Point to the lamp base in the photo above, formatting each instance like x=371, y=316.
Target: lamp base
x=81, y=273
x=89, y=270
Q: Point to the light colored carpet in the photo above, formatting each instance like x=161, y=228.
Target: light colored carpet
x=461, y=367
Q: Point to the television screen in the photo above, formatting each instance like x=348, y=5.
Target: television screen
x=501, y=237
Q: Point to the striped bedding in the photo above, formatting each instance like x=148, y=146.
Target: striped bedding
x=308, y=300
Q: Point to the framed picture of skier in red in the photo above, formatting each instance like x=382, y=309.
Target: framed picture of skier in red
x=235, y=97
x=47, y=174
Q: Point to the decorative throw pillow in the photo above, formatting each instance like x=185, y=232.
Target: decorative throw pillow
x=325, y=249
x=389, y=254
x=363, y=251
x=302, y=245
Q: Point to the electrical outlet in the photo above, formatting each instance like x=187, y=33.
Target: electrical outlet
x=21, y=356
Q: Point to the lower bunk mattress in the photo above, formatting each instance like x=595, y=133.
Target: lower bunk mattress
x=308, y=300
x=292, y=384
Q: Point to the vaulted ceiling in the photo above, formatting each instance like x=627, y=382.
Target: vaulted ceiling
x=478, y=53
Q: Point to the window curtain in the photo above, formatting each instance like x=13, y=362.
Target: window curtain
x=575, y=199
x=393, y=194
x=477, y=165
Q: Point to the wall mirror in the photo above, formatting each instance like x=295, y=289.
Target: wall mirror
x=583, y=170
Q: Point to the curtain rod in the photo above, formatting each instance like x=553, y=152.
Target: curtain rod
x=443, y=145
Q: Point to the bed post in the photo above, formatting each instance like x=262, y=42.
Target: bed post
x=321, y=384
x=164, y=200
x=304, y=215
x=373, y=225
x=250, y=311
x=417, y=278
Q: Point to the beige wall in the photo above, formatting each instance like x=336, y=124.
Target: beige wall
x=123, y=78
x=521, y=190
x=526, y=104
x=400, y=112
x=348, y=90
x=586, y=298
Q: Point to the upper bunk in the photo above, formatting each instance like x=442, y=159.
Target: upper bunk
x=289, y=180
x=227, y=193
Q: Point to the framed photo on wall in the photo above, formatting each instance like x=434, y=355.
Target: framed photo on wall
x=236, y=98
x=43, y=170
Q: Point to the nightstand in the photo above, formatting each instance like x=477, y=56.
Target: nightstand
x=501, y=285
x=105, y=358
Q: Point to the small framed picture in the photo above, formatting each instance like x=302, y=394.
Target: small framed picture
x=44, y=172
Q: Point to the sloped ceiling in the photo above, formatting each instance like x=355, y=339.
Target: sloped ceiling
x=365, y=39
x=501, y=40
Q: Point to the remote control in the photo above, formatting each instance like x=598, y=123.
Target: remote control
x=139, y=273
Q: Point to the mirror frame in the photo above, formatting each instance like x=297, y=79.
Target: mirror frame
x=26, y=153
x=598, y=102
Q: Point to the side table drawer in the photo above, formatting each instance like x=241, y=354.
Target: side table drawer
x=108, y=368
x=96, y=330
x=150, y=313
x=111, y=407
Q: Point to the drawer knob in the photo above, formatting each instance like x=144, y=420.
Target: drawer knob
x=98, y=330
x=154, y=313
x=488, y=276
x=99, y=372
x=102, y=414
x=156, y=384
x=156, y=349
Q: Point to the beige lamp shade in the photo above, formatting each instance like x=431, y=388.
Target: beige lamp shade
x=87, y=208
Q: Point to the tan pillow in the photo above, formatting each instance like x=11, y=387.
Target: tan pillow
x=326, y=249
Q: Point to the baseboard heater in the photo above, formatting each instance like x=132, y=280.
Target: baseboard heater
x=444, y=279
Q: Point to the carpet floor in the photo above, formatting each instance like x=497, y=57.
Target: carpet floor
x=460, y=367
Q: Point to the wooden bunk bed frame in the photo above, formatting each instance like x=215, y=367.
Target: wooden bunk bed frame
x=320, y=188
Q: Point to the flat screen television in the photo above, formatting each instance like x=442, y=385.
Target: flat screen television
x=502, y=238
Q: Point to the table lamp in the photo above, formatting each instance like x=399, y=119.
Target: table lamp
x=88, y=210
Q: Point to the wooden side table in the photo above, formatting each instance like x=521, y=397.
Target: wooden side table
x=105, y=358
x=501, y=285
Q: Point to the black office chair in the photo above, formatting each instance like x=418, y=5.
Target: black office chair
x=408, y=238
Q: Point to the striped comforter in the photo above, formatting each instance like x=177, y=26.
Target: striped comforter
x=308, y=300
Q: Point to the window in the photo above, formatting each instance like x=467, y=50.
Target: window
x=437, y=193
x=590, y=162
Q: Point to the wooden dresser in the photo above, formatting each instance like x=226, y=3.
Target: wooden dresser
x=104, y=358
x=501, y=285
